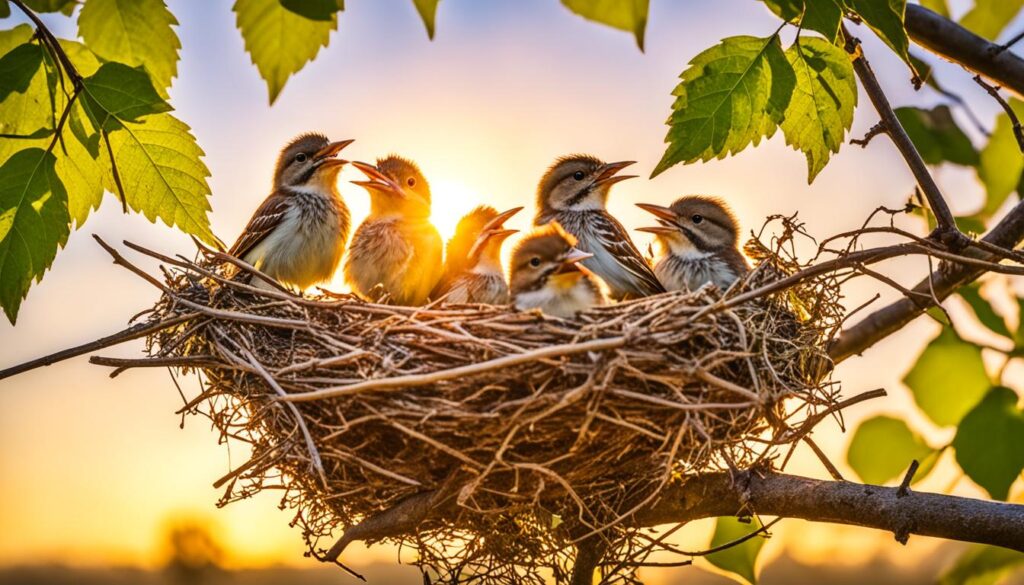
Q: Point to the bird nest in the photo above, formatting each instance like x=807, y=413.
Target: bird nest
x=491, y=440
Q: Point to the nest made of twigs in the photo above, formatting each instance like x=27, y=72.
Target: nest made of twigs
x=530, y=432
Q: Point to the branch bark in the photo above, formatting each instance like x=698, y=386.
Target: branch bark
x=840, y=502
x=953, y=42
x=1007, y=234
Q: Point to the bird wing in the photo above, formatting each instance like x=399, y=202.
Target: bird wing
x=614, y=238
x=267, y=217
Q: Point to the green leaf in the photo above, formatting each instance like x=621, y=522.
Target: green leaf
x=788, y=10
x=937, y=6
x=937, y=136
x=731, y=96
x=988, y=442
x=33, y=223
x=823, y=16
x=982, y=565
x=627, y=15
x=1001, y=161
x=119, y=93
x=5, y=9
x=882, y=449
x=24, y=108
x=315, y=9
x=988, y=18
x=983, y=310
x=948, y=378
x=18, y=67
x=279, y=41
x=821, y=110
x=428, y=12
x=742, y=558
x=138, y=33
x=886, y=19
x=64, y=6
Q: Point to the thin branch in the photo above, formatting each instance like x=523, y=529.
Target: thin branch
x=946, y=231
x=953, y=42
x=114, y=171
x=993, y=91
x=1013, y=41
x=875, y=130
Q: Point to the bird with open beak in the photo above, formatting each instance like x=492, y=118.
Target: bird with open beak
x=473, y=272
x=297, y=235
x=698, y=238
x=547, y=274
x=574, y=192
x=396, y=247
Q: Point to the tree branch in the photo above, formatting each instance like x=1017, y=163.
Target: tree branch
x=953, y=42
x=840, y=502
x=1007, y=234
x=946, y=231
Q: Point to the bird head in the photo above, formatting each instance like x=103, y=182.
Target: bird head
x=487, y=244
x=547, y=257
x=396, y=186
x=579, y=182
x=310, y=160
x=693, y=223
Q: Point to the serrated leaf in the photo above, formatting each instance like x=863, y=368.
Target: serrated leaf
x=138, y=33
x=883, y=447
x=885, y=18
x=821, y=110
x=627, y=15
x=731, y=96
x=279, y=41
x=988, y=18
x=428, y=12
x=982, y=565
x=937, y=137
x=937, y=6
x=983, y=310
x=988, y=442
x=948, y=378
x=118, y=93
x=741, y=559
x=33, y=223
x=1001, y=161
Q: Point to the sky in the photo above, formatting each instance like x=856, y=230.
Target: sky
x=92, y=468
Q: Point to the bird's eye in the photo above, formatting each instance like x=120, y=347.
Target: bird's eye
x=301, y=157
x=411, y=181
x=535, y=262
x=578, y=175
x=697, y=218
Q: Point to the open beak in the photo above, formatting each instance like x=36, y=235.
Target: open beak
x=609, y=173
x=660, y=212
x=571, y=262
x=329, y=153
x=499, y=220
x=497, y=235
x=377, y=180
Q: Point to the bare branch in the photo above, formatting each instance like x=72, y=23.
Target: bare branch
x=951, y=41
x=993, y=91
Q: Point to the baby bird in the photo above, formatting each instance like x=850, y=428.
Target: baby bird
x=547, y=274
x=473, y=272
x=297, y=235
x=574, y=192
x=698, y=237
x=396, y=247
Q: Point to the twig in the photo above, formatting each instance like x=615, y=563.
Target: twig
x=114, y=171
x=993, y=91
x=1013, y=41
x=909, y=477
x=875, y=130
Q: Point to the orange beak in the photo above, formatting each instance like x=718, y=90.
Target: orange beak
x=499, y=220
x=660, y=212
x=609, y=173
x=486, y=236
x=328, y=153
x=658, y=230
x=377, y=181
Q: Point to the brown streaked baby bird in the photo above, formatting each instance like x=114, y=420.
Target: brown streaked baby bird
x=297, y=235
x=473, y=271
x=547, y=274
x=574, y=192
x=698, y=237
x=396, y=247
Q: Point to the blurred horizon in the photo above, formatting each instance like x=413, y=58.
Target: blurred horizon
x=93, y=468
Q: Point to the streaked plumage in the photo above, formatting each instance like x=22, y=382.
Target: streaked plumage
x=546, y=274
x=297, y=235
x=473, y=272
x=698, y=238
x=396, y=247
x=574, y=192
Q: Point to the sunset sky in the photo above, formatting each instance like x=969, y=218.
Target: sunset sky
x=91, y=468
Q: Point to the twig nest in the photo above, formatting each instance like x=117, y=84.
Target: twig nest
x=526, y=433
